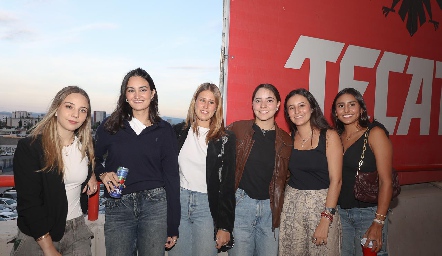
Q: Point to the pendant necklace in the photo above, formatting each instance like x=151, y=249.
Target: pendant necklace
x=265, y=131
x=305, y=140
x=349, y=136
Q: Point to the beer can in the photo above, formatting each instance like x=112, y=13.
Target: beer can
x=118, y=189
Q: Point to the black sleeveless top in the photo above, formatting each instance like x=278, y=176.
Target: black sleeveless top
x=309, y=168
x=350, y=164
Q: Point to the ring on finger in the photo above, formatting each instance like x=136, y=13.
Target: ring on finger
x=109, y=182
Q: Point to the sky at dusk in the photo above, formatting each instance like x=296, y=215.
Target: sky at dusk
x=46, y=45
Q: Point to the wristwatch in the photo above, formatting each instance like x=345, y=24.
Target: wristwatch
x=330, y=210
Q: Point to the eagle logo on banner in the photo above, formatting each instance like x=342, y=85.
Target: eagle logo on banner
x=414, y=12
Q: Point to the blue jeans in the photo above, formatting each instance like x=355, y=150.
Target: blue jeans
x=136, y=223
x=355, y=222
x=253, y=227
x=196, y=226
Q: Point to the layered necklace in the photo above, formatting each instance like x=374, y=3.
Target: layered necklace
x=264, y=131
x=306, y=139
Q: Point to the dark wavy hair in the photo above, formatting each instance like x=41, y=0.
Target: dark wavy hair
x=363, y=120
x=317, y=119
x=270, y=87
x=124, y=110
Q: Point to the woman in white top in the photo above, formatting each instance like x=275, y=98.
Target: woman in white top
x=53, y=176
x=207, y=176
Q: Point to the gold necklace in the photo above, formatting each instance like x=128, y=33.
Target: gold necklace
x=305, y=140
x=353, y=133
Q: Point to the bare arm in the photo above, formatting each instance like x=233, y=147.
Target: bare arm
x=334, y=159
x=383, y=152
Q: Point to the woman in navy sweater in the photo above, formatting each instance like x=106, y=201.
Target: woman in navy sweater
x=147, y=216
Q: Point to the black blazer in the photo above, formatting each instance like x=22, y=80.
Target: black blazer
x=221, y=194
x=42, y=204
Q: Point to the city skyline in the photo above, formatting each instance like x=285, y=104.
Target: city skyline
x=47, y=45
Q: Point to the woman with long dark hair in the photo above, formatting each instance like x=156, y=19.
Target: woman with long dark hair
x=207, y=176
x=362, y=219
x=309, y=225
x=263, y=151
x=53, y=174
x=147, y=216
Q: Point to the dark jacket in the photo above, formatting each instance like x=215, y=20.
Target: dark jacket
x=152, y=160
x=283, y=148
x=221, y=194
x=42, y=204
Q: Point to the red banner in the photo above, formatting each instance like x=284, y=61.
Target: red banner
x=390, y=50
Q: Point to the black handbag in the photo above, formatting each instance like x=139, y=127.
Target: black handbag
x=366, y=187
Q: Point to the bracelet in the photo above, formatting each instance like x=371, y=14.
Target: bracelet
x=223, y=229
x=42, y=237
x=383, y=216
x=378, y=221
x=328, y=216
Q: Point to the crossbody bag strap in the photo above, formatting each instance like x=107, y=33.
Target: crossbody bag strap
x=364, y=147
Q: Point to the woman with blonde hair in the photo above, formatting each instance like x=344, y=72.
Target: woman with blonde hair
x=53, y=173
x=207, y=176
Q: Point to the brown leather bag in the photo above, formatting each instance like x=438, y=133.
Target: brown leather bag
x=366, y=187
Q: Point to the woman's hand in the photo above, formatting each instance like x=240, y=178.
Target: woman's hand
x=222, y=238
x=171, y=241
x=109, y=179
x=374, y=234
x=321, y=232
x=91, y=187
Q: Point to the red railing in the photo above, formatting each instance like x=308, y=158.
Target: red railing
x=8, y=181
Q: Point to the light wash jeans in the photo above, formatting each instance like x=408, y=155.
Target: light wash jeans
x=253, y=227
x=75, y=241
x=196, y=226
x=136, y=223
x=355, y=222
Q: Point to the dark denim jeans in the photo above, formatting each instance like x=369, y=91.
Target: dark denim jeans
x=76, y=241
x=355, y=222
x=196, y=226
x=253, y=227
x=136, y=223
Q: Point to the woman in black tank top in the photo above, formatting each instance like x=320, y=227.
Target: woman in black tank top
x=361, y=219
x=309, y=225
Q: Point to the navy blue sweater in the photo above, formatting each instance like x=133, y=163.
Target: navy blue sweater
x=152, y=159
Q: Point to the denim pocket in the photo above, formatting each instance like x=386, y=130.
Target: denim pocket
x=156, y=194
x=113, y=203
x=239, y=196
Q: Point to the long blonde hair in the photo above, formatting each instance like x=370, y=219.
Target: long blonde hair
x=216, y=127
x=51, y=141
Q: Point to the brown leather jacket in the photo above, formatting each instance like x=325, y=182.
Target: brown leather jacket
x=283, y=148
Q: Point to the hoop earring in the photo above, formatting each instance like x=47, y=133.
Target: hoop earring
x=127, y=100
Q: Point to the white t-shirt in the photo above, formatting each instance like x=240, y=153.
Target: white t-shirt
x=75, y=173
x=192, y=161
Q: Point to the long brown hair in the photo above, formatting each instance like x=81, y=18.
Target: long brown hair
x=216, y=127
x=123, y=110
x=51, y=141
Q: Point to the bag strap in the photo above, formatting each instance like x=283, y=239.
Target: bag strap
x=364, y=147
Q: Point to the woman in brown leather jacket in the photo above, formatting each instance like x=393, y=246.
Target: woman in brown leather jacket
x=263, y=151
